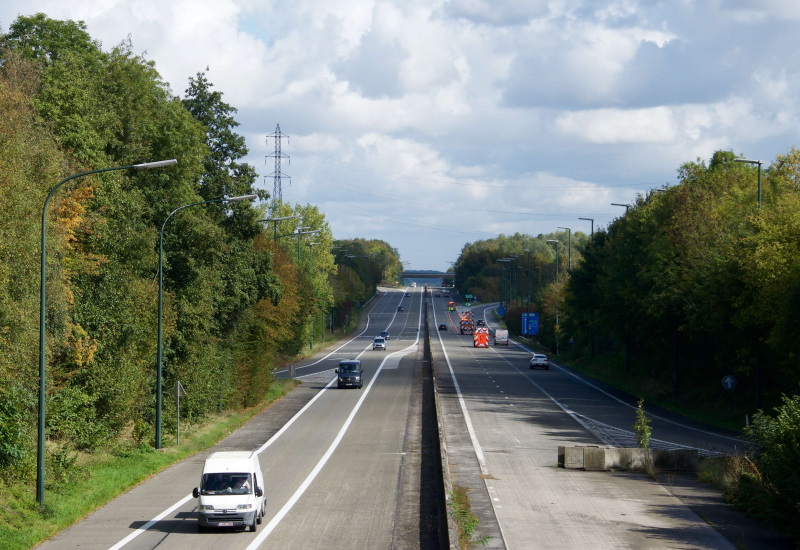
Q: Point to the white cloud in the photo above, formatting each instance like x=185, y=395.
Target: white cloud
x=541, y=111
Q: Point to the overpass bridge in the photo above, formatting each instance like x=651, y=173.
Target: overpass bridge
x=428, y=275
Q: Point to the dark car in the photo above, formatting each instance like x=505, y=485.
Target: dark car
x=442, y=326
x=385, y=334
x=408, y=294
x=480, y=323
x=399, y=308
x=350, y=374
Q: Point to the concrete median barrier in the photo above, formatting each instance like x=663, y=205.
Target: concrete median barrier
x=592, y=458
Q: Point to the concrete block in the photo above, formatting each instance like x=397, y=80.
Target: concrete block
x=676, y=460
x=626, y=459
x=594, y=459
x=573, y=458
x=560, y=456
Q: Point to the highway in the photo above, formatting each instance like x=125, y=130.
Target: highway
x=347, y=468
x=341, y=472
x=504, y=423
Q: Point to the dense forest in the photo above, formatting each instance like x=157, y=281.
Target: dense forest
x=240, y=294
x=696, y=281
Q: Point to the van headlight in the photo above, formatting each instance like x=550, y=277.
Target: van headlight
x=244, y=506
x=206, y=507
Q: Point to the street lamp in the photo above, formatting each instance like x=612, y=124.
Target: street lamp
x=555, y=241
x=161, y=299
x=619, y=204
x=275, y=224
x=590, y=220
x=528, y=279
x=569, y=247
x=42, y=302
x=315, y=231
x=759, y=162
x=504, y=283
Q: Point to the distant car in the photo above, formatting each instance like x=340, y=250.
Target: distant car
x=480, y=323
x=385, y=334
x=540, y=360
x=408, y=294
x=446, y=294
x=379, y=343
x=442, y=326
x=437, y=295
x=350, y=374
x=399, y=308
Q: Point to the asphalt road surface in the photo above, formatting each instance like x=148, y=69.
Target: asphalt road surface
x=503, y=425
x=346, y=468
x=342, y=471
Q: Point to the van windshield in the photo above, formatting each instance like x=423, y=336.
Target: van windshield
x=348, y=367
x=226, y=484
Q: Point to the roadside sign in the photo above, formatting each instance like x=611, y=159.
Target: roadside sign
x=501, y=311
x=729, y=382
x=530, y=323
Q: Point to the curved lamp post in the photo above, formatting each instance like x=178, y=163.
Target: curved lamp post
x=42, y=302
x=555, y=241
x=161, y=300
x=759, y=162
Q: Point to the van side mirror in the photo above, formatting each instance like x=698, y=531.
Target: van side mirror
x=196, y=492
x=336, y=371
x=259, y=492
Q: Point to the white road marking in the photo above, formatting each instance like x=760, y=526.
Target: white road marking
x=280, y=432
x=262, y=536
x=473, y=437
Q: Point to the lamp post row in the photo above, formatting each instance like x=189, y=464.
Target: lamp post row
x=42, y=304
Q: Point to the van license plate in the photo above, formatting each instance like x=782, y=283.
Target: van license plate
x=225, y=524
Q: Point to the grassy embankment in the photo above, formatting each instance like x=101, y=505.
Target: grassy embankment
x=97, y=478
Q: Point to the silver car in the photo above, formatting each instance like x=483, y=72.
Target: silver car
x=540, y=360
x=379, y=343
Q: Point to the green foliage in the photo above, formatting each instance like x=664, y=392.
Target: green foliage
x=776, y=454
x=14, y=437
x=467, y=523
x=234, y=300
x=642, y=426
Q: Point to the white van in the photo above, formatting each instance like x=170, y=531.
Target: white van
x=231, y=492
x=500, y=337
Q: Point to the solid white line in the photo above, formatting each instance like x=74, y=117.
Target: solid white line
x=617, y=399
x=277, y=518
x=152, y=522
x=473, y=437
x=271, y=440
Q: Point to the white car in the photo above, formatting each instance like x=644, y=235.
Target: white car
x=540, y=360
x=379, y=343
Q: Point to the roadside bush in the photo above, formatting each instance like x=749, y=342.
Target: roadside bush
x=71, y=417
x=14, y=448
x=771, y=487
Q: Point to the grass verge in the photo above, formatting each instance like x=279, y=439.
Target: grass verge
x=102, y=476
x=467, y=523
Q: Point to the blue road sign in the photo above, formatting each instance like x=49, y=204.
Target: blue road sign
x=501, y=311
x=729, y=382
x=530, y=323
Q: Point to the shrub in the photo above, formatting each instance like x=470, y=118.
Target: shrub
x=776, y=455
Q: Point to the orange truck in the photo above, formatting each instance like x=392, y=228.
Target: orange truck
x=480, y=338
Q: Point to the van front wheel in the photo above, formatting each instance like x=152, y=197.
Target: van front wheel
x=254, y=526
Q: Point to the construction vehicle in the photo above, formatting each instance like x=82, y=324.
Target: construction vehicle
x=451, y=306
x=480, y=338
x=467, y=325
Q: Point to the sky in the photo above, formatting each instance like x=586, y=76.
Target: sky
x=431, y=124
